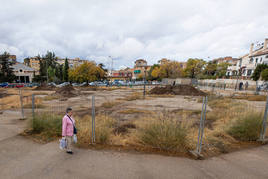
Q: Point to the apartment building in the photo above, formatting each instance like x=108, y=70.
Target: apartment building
x=140, y=68
x=72, y=62
x=248, y=62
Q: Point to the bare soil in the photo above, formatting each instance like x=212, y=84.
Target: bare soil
x=66, y=91
x=187, y=90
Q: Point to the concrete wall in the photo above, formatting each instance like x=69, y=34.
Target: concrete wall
x=230, y=83
x=184, y=81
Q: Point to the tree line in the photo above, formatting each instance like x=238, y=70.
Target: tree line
x=195, y=68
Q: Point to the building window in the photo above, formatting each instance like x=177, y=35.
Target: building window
x=251, y=60
x=256, y=60
x=266, y=56
x=261, y=60
x=20, y=70
x=249, y=72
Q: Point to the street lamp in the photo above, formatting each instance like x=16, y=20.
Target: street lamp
x=144, y=80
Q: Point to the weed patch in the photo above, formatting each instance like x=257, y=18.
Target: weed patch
x=246, y=127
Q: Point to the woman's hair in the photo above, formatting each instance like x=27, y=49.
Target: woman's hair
x=68, y=110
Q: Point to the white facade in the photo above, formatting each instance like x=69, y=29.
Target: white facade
x=249, y=62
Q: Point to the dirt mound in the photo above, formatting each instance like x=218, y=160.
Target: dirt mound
x=186, y=90
x=44, y=87
x=66, y=91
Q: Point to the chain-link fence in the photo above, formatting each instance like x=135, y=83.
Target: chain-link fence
x=170, y=123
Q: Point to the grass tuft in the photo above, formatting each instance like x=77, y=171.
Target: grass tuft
x=246, y=127
x=166, y=135
x=46, y=125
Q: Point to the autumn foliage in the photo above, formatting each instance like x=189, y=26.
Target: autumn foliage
x=86, y=72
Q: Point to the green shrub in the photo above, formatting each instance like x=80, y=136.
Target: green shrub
x=165, y=135
x=246, y=127
x=47, y=125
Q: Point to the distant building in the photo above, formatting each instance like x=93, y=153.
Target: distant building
x=23, y=73
x=124, y=74
x=72, y=62
x=248, y=62
x=12, y=58
x=228, y=59
x=34, y=63
x=140, y=68
x=163, y=61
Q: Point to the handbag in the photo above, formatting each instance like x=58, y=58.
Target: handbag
x=75, y=131
x=62, y=143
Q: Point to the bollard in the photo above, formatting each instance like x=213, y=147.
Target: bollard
x=93, y=138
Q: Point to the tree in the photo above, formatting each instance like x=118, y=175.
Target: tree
x=6, y=70
x=101, y=65
x=257, y=72
x=150, y=72
x=86, y=72
x=65, y=71
x=264, y=74
x=51, y=73
x=26, y=61
x=170, y=69
x=194, y=67
x=222, y=69
x=210, y=68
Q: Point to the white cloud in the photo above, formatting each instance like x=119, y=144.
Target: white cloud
x=127, y=29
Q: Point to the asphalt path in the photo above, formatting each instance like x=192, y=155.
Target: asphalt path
x=22, y=158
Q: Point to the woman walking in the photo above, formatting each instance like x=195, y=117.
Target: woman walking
x=68, y=129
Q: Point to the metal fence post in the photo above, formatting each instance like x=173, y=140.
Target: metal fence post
x=21, y=103
x=199, y=131
x=93, y=138
x=263, y=130
x=203, y=124
x=33, y=107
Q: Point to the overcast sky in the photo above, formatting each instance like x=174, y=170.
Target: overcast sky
x=130, y=29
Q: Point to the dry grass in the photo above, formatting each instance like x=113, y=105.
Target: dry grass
x=13, y=101
x=133, y=111
x=134, y=96
x=251, y=97
x=110, y=104
x=29, y=105
x=50, y=97
x=103, y=128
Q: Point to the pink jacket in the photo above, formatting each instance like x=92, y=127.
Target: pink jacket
x=67, y=126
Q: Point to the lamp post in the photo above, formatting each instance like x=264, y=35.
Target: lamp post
x=144, y=80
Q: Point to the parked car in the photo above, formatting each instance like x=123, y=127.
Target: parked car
x=35, y=84
x=28, y=85
x=75, y=84
x=3, y=85
x=83, y=84
x=52, y=84
x=63, y=84
x=92, y=84
x=20, y=85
